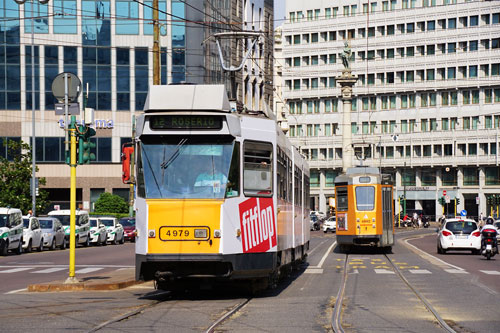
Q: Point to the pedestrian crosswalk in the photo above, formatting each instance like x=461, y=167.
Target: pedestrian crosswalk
x=59, y=268
x=412, y=271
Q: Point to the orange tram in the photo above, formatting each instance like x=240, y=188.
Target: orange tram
x=365, y=211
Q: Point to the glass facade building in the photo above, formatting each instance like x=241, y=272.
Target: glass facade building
x=108, y=45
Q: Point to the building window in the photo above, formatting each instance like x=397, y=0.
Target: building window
x=492, y=175
x=65, y=17
x=428, y=176
x=102, y=150
x=408, y=177
x=471, y=176
x=6, y=151
x=448, y=178
x=315, y=178
x=141, y=77
x=127, y=15
x=29, y=77
x=123, y=79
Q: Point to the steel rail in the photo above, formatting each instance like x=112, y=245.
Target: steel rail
x=227, y=315
x=422, y=298
x=337, y=311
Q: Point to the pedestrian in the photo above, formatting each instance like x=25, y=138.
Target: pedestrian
x=30, y=213
x=481, y=219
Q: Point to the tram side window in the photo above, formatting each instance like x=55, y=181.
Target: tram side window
x=342, y=202
x=233, y=179
x=365, y=198
x=257, y=169
x=141, y=188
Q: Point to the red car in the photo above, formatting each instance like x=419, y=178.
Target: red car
x=128, y=224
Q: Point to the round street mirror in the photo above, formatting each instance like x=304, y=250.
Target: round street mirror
x=74, y=87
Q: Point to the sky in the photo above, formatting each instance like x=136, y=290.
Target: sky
x=279, y=12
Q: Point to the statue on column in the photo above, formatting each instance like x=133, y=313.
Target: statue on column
x=346, y=55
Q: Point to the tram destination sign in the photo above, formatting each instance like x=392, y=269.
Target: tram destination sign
x=185, y=122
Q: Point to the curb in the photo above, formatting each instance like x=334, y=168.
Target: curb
x=81, y=286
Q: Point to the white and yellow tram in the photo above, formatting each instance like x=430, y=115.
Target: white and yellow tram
x=219, y=194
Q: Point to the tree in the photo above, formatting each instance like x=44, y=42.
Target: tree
x=110, y=203
x=15, y=178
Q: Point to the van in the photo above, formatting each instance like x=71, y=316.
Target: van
x=82, y=225
x=11, y=230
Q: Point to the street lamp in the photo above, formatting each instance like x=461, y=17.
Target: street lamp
x=33, y=144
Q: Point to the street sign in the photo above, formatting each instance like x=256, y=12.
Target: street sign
x=73, y=109
x=447, y=198
x=477, y=200
x=444, y=192
x=463, y=212
x=74, y=87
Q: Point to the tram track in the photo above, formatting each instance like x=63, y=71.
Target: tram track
x=130, y=314
x=336, y=319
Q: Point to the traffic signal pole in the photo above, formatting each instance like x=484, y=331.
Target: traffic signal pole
x=72, y=204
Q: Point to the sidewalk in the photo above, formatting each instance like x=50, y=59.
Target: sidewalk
x=108, y=281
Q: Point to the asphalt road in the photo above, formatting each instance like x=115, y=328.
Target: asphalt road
x=18, y=271
x=375, y=300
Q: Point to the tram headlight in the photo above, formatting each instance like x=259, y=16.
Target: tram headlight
x=200, y=233
x=217, y=233
x=151, y=233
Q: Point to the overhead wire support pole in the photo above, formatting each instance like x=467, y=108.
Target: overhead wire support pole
x=156, y=44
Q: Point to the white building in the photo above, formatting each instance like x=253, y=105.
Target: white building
x=426, y=104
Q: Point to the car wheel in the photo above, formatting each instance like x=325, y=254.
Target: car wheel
x=63, y=245
x=28, y=248
x=53, y=245
x=19, y=249
x=40, y=248
x=325, y=231
x=439, y=250
x=87, y=242
x=123, y=239
x=115, y=240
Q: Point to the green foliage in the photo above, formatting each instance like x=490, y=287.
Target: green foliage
x=110, y=203
x=15, y=178
x=117, y=215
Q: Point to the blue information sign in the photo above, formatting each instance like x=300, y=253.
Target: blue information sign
x=463, y=212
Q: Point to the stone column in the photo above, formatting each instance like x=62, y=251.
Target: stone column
x=346, y=81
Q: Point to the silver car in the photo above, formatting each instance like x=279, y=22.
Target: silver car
x=53, y=233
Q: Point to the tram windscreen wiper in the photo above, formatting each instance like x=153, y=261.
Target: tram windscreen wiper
x=174, y=155
x=152, y=172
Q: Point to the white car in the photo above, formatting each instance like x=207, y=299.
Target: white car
x=82, y=225
x=115, y=230
x=330, y=225
x=32, y=234
x=98, y=232
x=497, y=225
x=11, y=230
x=321, y=216
x=460, y=235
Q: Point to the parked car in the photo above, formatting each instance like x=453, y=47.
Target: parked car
x=53, y=233
x=11, y=230
x=314, y=222
x=321, y=215
x=115, y=230
x=460, y=235
x=32, y=234
x=330, y=224
x=98, y=232
x=129, y=230
x=82, y=226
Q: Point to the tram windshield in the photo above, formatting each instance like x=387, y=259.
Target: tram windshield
x=193, y=167
x=365, y=198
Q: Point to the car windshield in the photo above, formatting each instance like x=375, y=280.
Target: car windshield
x=107, y=222
x=127, y=222
x=46, y=224
x=93, y=222
x=65, y=219
x=184, y=167
x=26, y=223
x=4, y=219
x=458, y=227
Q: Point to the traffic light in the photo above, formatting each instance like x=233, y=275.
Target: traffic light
x=85, y=146
x=457, y=201
x=496, y=200
x=442, y=201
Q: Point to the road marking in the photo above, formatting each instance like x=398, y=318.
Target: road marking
x=354, y=271
x=50, y=270
x=419, y=271
x=383, y=271
x=491, y=272
x=15, y=291
x=314, y=270
x=430, y=255
x=43, y=266
x=317, y=246
x=456, y=271
x=324, y=256
x=88, y=270
x=14, y=270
